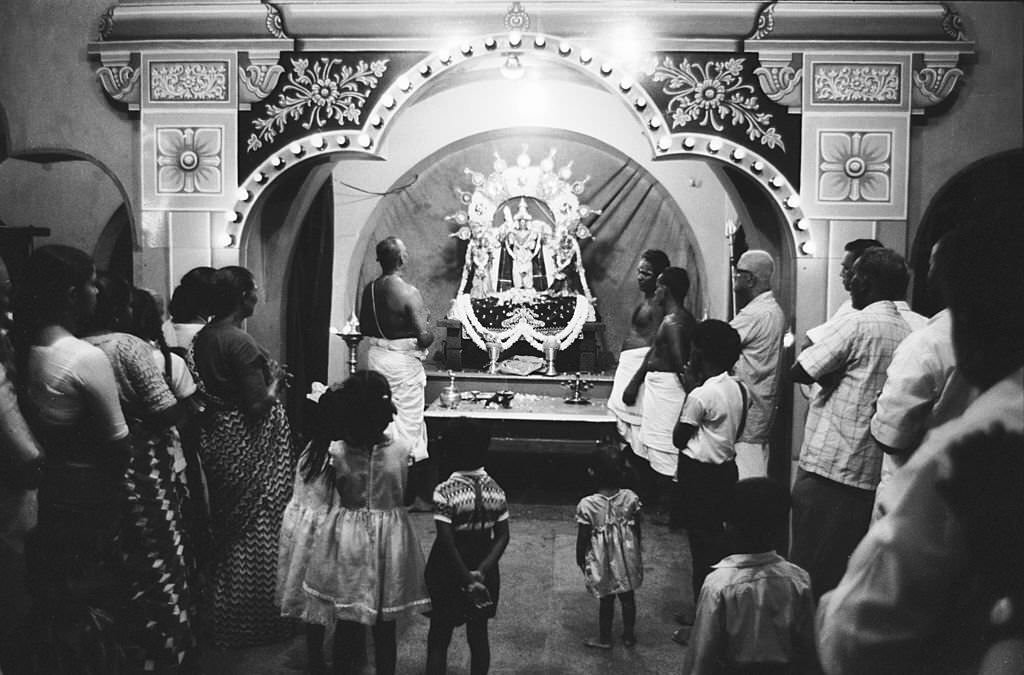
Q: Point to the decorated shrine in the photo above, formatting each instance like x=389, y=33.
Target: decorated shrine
x=523, y=278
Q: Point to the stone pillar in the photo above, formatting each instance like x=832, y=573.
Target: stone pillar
x=188, y=102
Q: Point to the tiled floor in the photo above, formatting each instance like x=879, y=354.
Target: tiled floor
x=544, y=613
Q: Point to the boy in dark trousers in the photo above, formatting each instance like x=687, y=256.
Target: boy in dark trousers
x=705, y=435
x=756, y=610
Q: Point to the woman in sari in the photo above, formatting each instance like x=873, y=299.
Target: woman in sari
x=249, y=457
x=74, y=558
x=159, y=619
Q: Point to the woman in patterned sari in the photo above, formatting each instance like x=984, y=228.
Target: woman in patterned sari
x=249, y=457
x=158, y=620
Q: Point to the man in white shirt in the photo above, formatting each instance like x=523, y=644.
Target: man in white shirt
x=761, y=324
x=897, y=609
x=923, y=388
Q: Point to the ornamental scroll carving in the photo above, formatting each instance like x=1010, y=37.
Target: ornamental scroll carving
x=765, y=23
x=257, y=80
x=933, y=84
x=875, y=83
x=188, y=81
x=121, y=82
x=780, y=83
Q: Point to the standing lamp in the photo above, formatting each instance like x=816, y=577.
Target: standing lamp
x=352, y=337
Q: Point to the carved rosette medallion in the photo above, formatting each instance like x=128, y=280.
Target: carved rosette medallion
x=855, y=166
x=188, y=81
x=328, y=90
x=871, y=83
x=189, y=160
x=714, y=94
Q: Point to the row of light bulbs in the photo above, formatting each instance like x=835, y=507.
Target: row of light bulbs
x=404, y=87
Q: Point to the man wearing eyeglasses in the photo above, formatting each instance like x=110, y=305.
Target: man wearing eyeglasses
x=761, y=324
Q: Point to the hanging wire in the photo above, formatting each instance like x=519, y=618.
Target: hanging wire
x=395, y=190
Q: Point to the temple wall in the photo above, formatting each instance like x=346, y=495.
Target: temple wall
x=50, y=99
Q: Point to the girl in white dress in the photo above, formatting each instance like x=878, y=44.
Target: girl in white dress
x=312, y=499
x=608, y=549
x=366, y=566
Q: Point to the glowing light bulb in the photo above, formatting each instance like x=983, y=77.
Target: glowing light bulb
x=807, y=247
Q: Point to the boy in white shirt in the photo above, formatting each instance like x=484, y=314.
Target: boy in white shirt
x=756, y=609
x=705, y=435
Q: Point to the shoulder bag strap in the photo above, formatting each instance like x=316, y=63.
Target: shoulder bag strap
x=743, y=417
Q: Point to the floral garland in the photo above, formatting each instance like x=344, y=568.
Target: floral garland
x=521, y=330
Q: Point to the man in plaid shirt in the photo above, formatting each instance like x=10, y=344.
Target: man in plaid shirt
x=840, y=464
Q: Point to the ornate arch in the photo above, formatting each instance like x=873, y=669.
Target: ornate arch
x=688, y=89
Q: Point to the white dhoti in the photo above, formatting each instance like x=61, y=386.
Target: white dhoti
x=628, y=418
x=401, y=362
x=663, y=402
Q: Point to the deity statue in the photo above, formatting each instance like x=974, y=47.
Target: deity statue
x=522, y=265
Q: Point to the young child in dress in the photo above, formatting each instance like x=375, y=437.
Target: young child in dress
x=366, y=566
x=705, y=435
x=756, y=610
x=471, y=516
x=608, y=548
x=312, y=498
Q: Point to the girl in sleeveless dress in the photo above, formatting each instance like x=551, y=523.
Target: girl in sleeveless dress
x=312, y=499
x=366, y=566
x=608, y=549
x=471, y=515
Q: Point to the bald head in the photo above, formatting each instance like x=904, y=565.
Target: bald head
x=760, y=264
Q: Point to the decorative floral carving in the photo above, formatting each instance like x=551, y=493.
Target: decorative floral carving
x=780, y=83
x=855, y=166
x=275, y=26
x=856, y=83
x=107, y=23
x=331, y=89
x=517, y=18
x=765, y=23
x=932, y=85
x=713, y=93
x=188, y=160
x=120, y=82
x=259, y=79
x=188, y=81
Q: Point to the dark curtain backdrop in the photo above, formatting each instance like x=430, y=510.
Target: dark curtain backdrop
x=636, y=214
x=309, y=304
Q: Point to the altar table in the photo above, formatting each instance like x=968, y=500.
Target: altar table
x=534, y=423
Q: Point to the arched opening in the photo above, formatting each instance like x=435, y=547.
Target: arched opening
x=290, y=249
x=986, y=187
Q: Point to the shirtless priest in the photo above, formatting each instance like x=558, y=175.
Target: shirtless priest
x=643, y=325
x=660, y=376
x=397, y=325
